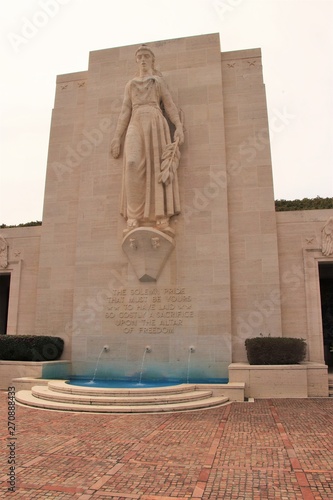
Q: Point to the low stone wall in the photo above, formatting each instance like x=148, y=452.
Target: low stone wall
x=26, y=383
x=281, y=381
x=234, y=391
x=10, y=370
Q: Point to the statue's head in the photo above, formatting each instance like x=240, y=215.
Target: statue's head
x=145, y=57
x=145, y=48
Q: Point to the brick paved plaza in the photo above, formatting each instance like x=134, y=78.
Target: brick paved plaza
x=269, y=449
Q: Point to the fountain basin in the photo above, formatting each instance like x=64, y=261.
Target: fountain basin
x=135, y=384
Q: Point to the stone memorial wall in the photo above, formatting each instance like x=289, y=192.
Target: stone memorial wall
x=160, y=238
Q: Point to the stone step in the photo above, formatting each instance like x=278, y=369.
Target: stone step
x=115, y=398
x=330, y=388
x=26, y=398
x=62, y=386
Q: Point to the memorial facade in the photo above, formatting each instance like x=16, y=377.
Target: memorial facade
x=159, y=225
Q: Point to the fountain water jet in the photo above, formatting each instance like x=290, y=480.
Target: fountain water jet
x=105, y=348
x=191, y=350
x=147, y=349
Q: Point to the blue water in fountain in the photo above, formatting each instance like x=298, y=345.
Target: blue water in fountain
x=122, y=383
x=135, y=384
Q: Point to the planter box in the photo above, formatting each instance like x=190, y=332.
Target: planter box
x=281, y=381
x=10, y=370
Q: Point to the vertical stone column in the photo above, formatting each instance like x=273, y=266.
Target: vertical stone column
x=55, y=288
x=255, y=286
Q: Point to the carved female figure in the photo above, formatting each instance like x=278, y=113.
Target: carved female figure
x=147, y=199
x=3, y=252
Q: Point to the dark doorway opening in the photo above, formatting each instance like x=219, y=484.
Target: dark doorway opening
x=4, y=301
x=326, y=296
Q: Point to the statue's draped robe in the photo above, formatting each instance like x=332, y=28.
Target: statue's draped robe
x=143, y=197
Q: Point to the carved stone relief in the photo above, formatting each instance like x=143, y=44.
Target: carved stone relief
x=3, y=253
x=150, y=192
x=147, y=249
x=327, y=238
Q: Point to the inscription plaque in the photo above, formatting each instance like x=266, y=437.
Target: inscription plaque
x=150, y=310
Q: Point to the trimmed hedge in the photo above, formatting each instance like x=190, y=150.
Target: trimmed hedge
x=30, y=347
x=275, y=350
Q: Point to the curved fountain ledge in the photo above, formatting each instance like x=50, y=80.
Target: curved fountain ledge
x=58, y=395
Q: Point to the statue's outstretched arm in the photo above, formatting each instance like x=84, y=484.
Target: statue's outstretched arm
x=122, y=124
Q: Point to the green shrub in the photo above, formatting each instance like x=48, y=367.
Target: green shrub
x=30, y=347
x=275, y=350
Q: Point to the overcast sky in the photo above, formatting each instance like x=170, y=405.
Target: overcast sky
x=44, y=38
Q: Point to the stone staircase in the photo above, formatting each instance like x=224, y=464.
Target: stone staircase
x=330, y=385
x=58, y=395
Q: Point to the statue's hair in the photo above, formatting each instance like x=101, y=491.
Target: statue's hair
x=145, y=47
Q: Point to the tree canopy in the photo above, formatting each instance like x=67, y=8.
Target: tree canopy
x=24, y=224
x=304, y=204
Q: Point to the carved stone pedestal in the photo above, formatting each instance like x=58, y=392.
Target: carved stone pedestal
x=147, y=249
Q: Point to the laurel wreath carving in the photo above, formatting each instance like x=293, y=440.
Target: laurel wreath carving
x=170, y=162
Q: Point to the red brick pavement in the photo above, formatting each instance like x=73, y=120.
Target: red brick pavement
x=269, y=449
